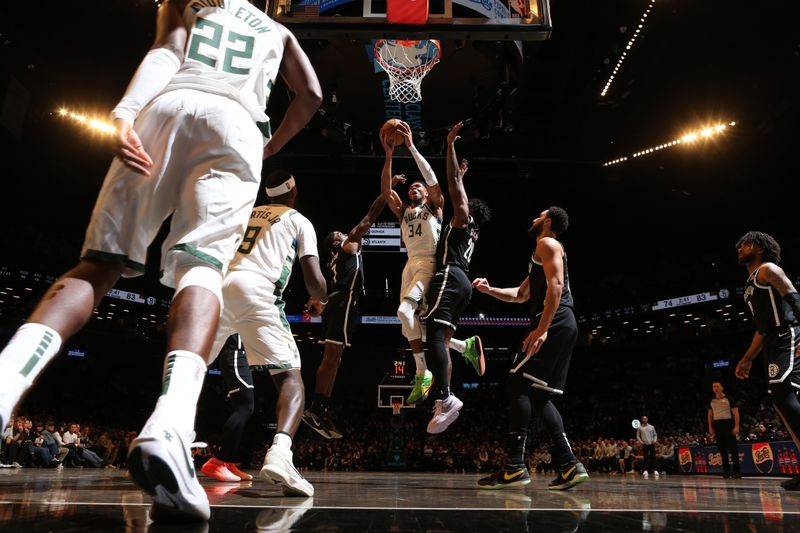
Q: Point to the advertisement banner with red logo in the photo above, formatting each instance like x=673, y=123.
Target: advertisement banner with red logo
x=757, y=458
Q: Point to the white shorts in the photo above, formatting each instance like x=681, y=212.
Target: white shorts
x=207, y=155
x=252, y=310
x=417, y=276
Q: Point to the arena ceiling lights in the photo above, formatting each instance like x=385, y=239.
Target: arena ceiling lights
x=701, y=134
x=92, y=124
x=621, y=60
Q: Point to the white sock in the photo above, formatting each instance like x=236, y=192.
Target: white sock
x=282, y=440
x=25, y=356
x=184, y=373
x=458, y=345
x=419, y=358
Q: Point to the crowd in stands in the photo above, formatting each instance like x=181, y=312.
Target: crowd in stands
x=29, y=443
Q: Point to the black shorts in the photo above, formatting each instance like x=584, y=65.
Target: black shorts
x=339, y=319
x=779, y=356
x=448, y=296
x=235, y=369
x=551, y=363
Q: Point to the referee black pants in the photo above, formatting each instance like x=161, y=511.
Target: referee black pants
x=726, y=442
x=649, y=457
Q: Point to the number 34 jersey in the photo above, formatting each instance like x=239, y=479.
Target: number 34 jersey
x=420, y=229
x=276, y=236
x=233, y=50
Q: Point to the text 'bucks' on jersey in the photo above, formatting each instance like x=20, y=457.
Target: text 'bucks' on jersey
x=766, y=305
x=233, y=50
x=420, y=229
x=276, y=236
x=456, y=246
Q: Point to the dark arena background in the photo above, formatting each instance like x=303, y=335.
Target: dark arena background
x=584, y=111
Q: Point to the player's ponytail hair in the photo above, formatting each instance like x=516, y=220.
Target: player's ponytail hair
x=769, y=246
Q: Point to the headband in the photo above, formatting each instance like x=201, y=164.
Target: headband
x=281, y=189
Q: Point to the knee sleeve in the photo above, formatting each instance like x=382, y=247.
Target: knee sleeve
x=410, y=323
x=198, y=274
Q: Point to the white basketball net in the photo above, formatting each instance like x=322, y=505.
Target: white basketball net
x=406, y=63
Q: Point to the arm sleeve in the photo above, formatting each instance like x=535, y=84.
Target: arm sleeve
x=306, y=239
x=154, y=73
x=424, y=167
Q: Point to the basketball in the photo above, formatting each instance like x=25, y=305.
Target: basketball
x=391, y=132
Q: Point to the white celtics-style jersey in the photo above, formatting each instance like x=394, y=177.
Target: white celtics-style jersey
x=233, y=50
x=276, y=236
x=420, y=229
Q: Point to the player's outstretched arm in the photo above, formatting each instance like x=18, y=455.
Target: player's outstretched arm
x=455, y=180
x=299, y=75
x=353, y=242
x=517, y=294
x=434, y=190
x=154, y=73
x=388, y=181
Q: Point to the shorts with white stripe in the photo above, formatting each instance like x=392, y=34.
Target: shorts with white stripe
x=448, y=296
x=339, y=319
x=779, y=356
x=235, y=370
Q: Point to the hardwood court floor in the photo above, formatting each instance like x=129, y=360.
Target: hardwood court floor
x=106, y=500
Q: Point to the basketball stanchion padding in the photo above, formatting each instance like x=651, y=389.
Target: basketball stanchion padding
x=407, y=11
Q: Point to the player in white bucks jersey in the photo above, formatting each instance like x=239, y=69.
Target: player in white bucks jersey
x=346, y=285
x=775, y=305
x=420, y=227
x=187, y=146
x=276, y=236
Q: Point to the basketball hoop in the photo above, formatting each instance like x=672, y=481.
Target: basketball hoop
x=396, y=408
x=406, y=63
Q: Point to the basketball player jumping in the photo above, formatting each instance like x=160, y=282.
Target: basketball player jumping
x=775, y=305
x=346, y=276
x=276, y=236
x=539, y=369
x=450, y=289
x=194, y=104
x=421, y=225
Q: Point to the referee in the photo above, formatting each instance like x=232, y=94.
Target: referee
x=723, y=424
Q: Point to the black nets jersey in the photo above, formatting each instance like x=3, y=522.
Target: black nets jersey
x=537, y=283
x=456, y=246
x=345, y=274
x=766, y=305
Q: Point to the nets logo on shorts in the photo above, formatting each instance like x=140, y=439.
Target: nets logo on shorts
x=763, y=458
x=773, y=370
x=685, y=459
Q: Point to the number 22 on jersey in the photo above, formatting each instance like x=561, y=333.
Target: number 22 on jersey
x=207, y=44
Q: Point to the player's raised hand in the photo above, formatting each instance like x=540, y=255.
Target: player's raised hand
x=128, y=148
x=398, y=178
x=462, y=168
x=405, y=130
x=453, y=135
x=388, y=147
x=314, y=307
x=482, y=284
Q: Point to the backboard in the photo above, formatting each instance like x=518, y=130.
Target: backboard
x=515, y=20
